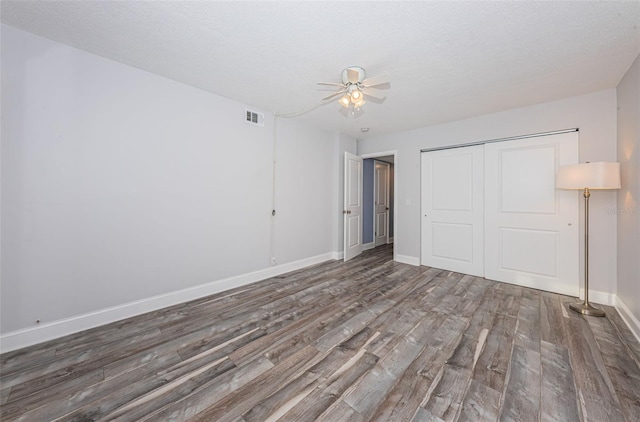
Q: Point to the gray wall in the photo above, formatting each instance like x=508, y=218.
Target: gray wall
x=628, y=209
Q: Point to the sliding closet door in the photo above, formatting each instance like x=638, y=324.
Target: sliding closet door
x=531, y=228
x=452, y=209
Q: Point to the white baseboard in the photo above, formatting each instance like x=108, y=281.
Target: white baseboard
x=405, y=259
x=29, y=336
x=367, y=246
x=602, y=298
x=632, y=322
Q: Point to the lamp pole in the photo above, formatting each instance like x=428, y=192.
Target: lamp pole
x=585, y=308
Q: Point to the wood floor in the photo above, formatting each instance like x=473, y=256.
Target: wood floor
x=370, y=339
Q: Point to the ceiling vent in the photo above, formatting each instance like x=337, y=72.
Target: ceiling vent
x=254, y=118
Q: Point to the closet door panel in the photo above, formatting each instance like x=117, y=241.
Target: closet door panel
x=452, y=210
x=531, y=228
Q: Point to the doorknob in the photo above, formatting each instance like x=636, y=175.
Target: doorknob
x=387, y=209
x=348, y=211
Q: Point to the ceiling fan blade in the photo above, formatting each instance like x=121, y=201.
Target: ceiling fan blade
x=330, y=84
x=353, y=75
x=342, y=91
x=380, y=79
x=373, y=92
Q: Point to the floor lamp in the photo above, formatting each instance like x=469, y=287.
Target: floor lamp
x=586, y=177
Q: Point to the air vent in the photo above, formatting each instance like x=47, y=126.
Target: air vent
x=254, y=118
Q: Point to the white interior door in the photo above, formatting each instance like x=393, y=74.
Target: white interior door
x=531, y=228
x=352, y=206
x=452, y=209
x=381, y=203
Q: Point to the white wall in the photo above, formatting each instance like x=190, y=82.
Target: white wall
x=628, y=209
x=305, y=194
x=119, y=185
x=594, y=114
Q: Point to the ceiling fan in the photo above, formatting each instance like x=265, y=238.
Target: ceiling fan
x=354, y=87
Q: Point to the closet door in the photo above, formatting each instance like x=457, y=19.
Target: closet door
x=452, y=209
x=531, y=228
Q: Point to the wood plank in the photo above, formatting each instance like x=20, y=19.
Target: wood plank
x=445, y=400
x=289, y=395
x=624, y=333
x=4, y=395
x=491, y=369
x=369, y=392
x=166, y=394
x=508, y=296
x=464, y=355
x=97, y=400
x=522, y=391
x=305, y=330
x=551, y=320
x=325, y=394
x=622, y=368
x=527, y=333
x=481, y=403
x=558, y=391
x=447, y=391
x=407, y=394
x=597, y=394
x=341, y=412
x=405, y=315
x=49, y=374
x=185, y=407
x=244, y=398
x=423, y=415
x=21, y=359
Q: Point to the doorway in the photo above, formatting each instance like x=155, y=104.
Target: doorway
x=378, y=194
x=354, y=203
x=370, y=224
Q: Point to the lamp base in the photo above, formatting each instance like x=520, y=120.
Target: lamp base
x=586, y=309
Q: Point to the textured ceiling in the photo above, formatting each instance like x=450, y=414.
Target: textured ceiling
x=446, y=60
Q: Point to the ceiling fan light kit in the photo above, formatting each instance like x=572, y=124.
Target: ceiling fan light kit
x=355, y=87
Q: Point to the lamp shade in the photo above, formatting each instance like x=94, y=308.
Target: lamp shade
x=598, y=175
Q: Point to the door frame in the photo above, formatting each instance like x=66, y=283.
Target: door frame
x=396, y=211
